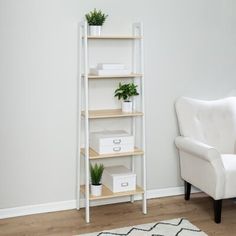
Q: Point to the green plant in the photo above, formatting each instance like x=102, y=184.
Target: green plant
x=96, y=173
x=96, y=17
x=126, y=91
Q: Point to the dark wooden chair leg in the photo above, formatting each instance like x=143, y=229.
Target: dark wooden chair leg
x=217, y=210
x=187, y=190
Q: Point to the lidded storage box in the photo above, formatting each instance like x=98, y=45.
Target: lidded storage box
x=111, y=142
x=119, y=179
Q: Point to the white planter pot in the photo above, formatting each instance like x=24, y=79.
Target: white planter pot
x=127, y=106
x=95, y=30
x=96, y=190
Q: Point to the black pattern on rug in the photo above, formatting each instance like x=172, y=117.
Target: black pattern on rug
x=174, y=227
x=151, y=228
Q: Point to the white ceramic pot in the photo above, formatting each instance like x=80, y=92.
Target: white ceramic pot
x=127, y=106
x=96, y=190
x=95, y=30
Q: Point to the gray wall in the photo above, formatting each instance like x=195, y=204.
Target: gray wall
x=190, y=50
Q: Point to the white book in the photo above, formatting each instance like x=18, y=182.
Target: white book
x=111, y=66
x=95, y=71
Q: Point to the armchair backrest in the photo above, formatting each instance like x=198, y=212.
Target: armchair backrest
x=210, y=122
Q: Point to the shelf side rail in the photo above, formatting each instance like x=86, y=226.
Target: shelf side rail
x=138, y=28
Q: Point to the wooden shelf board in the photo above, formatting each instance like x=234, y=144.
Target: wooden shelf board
x=93, y=155
x=111, y=113
x=114, y=37
x=132, y=75
x=107, y=193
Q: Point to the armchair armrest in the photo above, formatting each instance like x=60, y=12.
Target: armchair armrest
x=197, y=148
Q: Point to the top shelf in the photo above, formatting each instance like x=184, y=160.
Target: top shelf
x=114, y=37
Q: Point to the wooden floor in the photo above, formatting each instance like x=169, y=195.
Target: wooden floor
x=198, y=210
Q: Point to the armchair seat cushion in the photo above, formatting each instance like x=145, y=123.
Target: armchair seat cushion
x=229, y=163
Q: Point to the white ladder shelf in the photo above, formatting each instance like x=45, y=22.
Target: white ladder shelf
x=86, y=116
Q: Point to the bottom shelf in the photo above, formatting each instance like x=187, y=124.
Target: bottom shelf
x=107, y=193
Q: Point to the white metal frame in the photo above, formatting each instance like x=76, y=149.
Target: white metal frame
x=138, y=67
x=138, y=48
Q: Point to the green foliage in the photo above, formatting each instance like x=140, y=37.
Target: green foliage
x=96, y=17
x=126, y=91
x=96, y=173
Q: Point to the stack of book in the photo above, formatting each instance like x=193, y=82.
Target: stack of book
x=109, y=69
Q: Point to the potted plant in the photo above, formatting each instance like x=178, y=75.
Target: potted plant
x=95, y=20
x=126, y=92
x=96, y=175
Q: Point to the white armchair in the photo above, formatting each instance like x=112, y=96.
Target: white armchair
x=207, y=147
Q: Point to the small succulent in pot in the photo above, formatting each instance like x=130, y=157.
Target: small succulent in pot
x=96, y=172
x=95, y=20
x=126, y=92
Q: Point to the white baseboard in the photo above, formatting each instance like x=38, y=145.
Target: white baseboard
x=167, y=192
x=71, y=204
x=35, y=209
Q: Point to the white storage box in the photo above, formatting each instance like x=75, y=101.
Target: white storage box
x=119, y=179
x=111, y=142
x=95, y=71
x=110, y=66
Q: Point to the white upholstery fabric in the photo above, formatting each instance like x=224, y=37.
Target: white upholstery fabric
x=229, y=162
x=208, y=130
x=197, y=148
x=210, y=122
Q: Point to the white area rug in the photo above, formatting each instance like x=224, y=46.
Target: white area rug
x=176, y=227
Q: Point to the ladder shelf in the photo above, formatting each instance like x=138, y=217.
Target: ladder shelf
x=86, y=116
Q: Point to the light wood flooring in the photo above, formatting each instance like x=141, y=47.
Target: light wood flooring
x=198, y=210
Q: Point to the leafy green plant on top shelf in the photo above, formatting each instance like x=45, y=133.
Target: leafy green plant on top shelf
x=96, y=17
